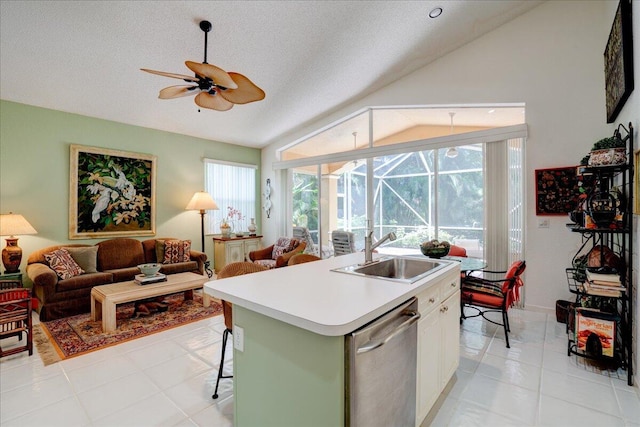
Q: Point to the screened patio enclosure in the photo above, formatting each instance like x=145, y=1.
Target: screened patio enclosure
x=415, y=189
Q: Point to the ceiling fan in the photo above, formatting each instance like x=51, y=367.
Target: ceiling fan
x=215, y=88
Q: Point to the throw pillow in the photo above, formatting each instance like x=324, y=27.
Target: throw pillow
x=177, y=251
x=85, y=257
x=159, y=250
x=63, y=264
x=283, y=245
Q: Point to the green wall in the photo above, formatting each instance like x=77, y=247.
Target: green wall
x=34, y=170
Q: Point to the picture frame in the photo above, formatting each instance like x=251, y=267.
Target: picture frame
x=557, y=191
x=636, y=184
x=112, y=193
x=618, y=61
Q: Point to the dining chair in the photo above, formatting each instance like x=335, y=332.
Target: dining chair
x=343, y=242
x=302, y=234
x=231, y=270
x=455, y=250
x=489, y=291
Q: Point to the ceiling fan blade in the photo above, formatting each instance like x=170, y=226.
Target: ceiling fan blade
x=175, y=76
x=247, y=91
x=177, y=91
x=213, y=102
x=219, y=76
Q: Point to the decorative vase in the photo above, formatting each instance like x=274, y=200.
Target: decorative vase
x=252, y=227
x=225, y=230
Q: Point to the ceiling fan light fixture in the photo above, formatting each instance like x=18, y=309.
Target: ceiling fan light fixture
x=435, y=12
x=452, y=152
x=209, y=82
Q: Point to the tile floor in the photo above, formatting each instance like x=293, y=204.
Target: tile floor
x=167, y=379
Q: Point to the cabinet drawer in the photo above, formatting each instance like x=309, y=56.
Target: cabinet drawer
x=450, y=285
x=428, y=300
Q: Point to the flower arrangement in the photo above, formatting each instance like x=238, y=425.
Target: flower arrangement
x=232, y=214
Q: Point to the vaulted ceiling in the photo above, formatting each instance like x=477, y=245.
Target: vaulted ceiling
x=310, y=57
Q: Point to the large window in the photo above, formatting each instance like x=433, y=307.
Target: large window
x=412, y=184
x=306, y=209
x=421, y=199
x=232, y=185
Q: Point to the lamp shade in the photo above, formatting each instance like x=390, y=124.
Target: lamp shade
x=201, y=201
x=14, y=224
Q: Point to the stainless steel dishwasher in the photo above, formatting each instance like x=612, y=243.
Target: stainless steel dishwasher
x=380, y=363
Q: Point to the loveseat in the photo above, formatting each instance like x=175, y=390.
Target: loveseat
x=109, y=261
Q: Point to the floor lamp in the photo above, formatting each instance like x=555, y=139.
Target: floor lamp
x=202, y=201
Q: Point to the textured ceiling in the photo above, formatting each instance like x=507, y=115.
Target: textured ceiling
x=310, y=57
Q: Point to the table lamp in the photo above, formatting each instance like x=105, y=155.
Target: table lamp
x=11, y=225
x=202, y=201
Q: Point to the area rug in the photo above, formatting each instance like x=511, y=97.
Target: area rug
x=76, y=335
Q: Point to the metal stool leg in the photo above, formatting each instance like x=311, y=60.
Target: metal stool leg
x=225, y=337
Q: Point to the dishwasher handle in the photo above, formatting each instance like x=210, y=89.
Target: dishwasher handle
x=373, y=344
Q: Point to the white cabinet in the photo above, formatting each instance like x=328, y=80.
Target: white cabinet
x=438, y=341
x=233, y=249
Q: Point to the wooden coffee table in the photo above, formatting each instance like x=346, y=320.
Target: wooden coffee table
x=105, y=298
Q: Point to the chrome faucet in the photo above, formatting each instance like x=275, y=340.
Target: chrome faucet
x=369, y=246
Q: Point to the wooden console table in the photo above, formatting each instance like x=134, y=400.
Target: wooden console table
x=233, y=249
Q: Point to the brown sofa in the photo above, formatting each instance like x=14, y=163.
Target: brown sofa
x=117, y=261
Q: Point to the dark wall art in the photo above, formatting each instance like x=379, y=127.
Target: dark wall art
x=112, y=193
x=618, y=61
x=557, y=191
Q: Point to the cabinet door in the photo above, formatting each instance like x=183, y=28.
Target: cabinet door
x=251, y=245
x=428, y=364
x=234, y=251
x=450, y=347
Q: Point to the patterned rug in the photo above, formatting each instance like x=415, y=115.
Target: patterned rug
x=72, y=336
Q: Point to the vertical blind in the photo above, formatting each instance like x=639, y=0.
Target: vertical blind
x=232, y=185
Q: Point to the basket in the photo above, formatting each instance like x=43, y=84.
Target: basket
x=562, y=310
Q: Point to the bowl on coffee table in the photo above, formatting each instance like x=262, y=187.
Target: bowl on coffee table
x=150, y=269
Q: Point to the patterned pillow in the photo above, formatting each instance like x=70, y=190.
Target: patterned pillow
x=177, y=251
x=283, y=245
x=488, y=288
x=63, y=264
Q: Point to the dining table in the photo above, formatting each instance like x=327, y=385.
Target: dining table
x=468, y=264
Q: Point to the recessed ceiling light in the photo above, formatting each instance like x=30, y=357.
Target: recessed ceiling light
x=435, y=12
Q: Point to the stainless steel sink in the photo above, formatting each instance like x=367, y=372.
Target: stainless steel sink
x=397, y=269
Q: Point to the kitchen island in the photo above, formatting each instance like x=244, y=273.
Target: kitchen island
x=289, y=328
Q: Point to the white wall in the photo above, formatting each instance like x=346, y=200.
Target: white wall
x=551, y=58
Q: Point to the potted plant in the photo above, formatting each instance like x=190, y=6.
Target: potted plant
x=608, y=152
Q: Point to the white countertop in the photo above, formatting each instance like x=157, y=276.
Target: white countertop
x=313, y=297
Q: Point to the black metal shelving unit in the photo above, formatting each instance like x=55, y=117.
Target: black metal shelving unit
x=617, y=237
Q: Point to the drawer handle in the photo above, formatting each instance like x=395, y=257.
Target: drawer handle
x=432, y=300
x=453, y=284
x=444, y=309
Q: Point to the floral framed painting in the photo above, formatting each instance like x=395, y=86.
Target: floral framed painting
x=111, y=193
x=557, y=191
